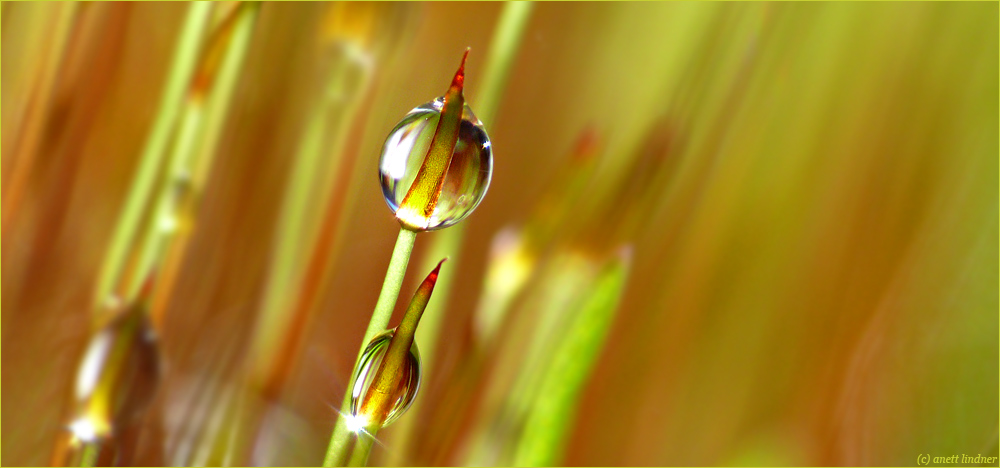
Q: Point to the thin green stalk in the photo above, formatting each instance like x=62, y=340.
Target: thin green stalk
x=336, y=452
x=163, y=224
x=391, y=286
x=504, y=45
x=90, y=452
x=150, y=162
x=193, y=167
x=315, y=166
x=359, y=456
x=554, y=406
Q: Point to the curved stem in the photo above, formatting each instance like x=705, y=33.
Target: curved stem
x=337, y=450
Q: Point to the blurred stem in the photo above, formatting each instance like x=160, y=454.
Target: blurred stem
x=503, y=47
x=49, y=29
x=552, y=411
x=90, y=452
x=336, y=452
x=180, y=74
x=163, y=223
x=283, y=317
x=213, y=110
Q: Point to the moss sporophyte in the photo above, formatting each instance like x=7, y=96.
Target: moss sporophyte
x=388, y=376
x=436, y=163
x=434, y=169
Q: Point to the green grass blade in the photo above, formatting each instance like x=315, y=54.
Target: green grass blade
x=553, y=412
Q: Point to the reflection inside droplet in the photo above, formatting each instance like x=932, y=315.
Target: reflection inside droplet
x=364, y=376
x=464, y=184
x=117, y=377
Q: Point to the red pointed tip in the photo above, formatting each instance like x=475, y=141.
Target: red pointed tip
x=459, y=80
x=587, y=144
x=147, y=288
x=432, y=277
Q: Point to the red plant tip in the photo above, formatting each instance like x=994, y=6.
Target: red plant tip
x=432, y=278
x=586, y=144
x=147, y=287
x=459, y=80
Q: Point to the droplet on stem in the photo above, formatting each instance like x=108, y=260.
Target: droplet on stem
x=436, y=164
x=364, y=377
x=388, y=374
x=117, y=377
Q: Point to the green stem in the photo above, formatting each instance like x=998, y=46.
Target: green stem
x=90, y=452
x=506, y=40
x=336, y=452
x=504, y=45
x=391, y=286
x=363, y=448
x=181, y=70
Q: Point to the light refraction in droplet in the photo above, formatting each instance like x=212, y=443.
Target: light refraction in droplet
x=466, y=180
x=364, y=377
x=118, y=376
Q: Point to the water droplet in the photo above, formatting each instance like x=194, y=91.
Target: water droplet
x=118, y=375
x=467, y=178
x=364, y=376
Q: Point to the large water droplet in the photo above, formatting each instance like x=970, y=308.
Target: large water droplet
x=467, y=178
x=364, y=376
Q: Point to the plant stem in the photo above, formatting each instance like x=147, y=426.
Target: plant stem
x=90, y=452
x=504, y=45
x=337, y=450
x=215, y=111
x=359, y=456
x=391, y=286
x=150, y=162
x=282, y=319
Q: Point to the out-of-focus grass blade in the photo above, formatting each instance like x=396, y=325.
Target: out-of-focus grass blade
x=209, y=98
x=137, y=204
x=554, y=409
x=350, y=72
x=48, y=29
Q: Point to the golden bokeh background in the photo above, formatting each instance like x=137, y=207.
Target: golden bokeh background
x=803, y=197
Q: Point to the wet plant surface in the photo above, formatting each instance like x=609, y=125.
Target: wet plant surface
x=677, y=234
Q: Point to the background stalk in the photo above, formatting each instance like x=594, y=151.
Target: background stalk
x=212, y=110
x=150, y=162
x=51, y=28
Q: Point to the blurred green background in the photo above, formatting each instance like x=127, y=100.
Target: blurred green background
x=717, y=233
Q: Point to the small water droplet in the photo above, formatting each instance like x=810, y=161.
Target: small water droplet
x=467, y=178
x=118, y=375
x=364, y=376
